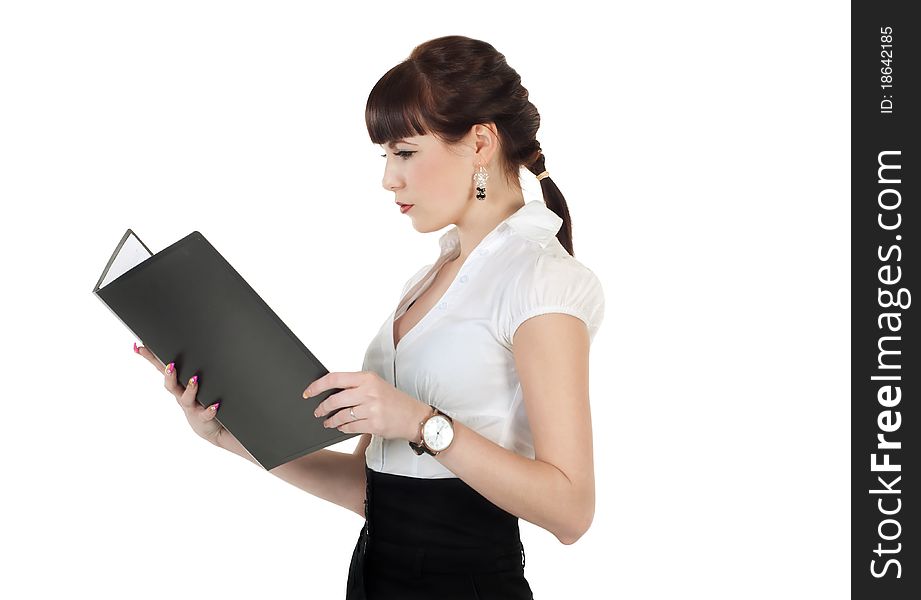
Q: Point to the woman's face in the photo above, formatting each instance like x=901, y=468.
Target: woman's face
x=435, y=178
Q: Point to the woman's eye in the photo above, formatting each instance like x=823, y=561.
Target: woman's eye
x=404, y=154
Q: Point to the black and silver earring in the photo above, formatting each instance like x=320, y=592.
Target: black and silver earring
x=480, y=178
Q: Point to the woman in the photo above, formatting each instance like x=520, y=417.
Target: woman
x=473, y=398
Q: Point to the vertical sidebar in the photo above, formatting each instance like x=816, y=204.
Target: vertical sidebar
x=885, y=368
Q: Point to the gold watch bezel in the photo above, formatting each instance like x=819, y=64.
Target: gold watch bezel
x=424, y=444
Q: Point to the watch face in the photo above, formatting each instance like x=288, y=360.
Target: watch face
x=438, y=433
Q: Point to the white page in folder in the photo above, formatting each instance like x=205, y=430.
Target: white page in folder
x=131, y=254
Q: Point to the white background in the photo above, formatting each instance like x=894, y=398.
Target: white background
x=704, y=152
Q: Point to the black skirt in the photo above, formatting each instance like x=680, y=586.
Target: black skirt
x=434, y=538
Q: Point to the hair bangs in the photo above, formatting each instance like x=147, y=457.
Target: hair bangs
x=396, y=107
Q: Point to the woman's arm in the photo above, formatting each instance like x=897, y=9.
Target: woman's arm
x=333, y=476
x=555, y=490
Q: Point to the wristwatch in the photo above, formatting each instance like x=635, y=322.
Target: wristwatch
x=437, y=433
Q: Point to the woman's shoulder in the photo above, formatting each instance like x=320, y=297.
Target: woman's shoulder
x=533, y=264
x=549, y=279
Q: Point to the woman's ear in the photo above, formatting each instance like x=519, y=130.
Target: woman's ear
x=486, y=141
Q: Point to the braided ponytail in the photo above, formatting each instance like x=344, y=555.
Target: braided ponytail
x=554, y=199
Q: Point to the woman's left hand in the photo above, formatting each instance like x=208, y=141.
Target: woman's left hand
x=378, y=407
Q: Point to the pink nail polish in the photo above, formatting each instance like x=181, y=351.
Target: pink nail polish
x=136, y=351
x=214, y=406
x=169, y=368
x=194, y=380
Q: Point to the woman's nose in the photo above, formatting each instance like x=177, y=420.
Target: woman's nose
x=391, y=182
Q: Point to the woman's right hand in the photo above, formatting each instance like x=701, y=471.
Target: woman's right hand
x=201, y=419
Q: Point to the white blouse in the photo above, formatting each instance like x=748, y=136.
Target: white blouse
x=458, y=357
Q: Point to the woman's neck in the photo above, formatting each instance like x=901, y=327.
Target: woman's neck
x=476, y=226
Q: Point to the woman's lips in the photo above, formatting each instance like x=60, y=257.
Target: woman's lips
x=404, y=208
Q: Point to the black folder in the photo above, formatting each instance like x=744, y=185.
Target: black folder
x=188, y=305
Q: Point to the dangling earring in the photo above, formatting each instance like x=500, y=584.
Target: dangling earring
x=480, y=178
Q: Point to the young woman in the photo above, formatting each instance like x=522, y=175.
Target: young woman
x=473, y=397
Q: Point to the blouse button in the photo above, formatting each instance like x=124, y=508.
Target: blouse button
x=483, y=251
x=443, y=305
x=463, y=279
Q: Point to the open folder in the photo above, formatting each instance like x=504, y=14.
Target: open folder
x=189, y=306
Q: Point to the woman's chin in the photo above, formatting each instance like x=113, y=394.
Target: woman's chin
x=421, y=228
x=423, y=225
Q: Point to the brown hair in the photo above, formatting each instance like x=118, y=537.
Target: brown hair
x=448, y=85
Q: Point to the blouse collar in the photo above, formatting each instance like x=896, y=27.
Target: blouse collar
x=533, y=221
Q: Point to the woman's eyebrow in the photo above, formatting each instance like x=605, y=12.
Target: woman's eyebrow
x=394, y=143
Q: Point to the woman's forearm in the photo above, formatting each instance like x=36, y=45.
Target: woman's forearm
x=336, y=477
x=533, y=490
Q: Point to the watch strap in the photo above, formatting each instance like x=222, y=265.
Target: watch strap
x=421, y=447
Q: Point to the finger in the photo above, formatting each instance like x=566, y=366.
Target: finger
x=143, y=351
x=359, y=426
x=209, y=413
x=204, y=413
x=190, y=395
x=317, y=386
x=334, y=380
x=187, y=398
x=171, y=381
x=345, y=398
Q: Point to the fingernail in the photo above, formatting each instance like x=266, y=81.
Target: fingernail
x=136, y=351
x=214, y=406
x=194, y=380
x=169, y=368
